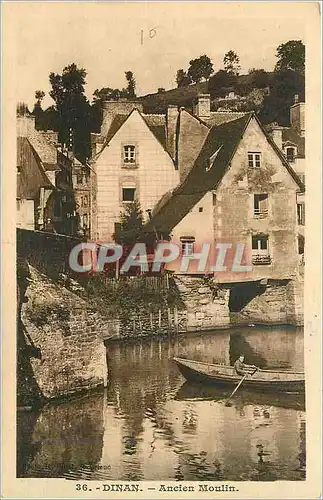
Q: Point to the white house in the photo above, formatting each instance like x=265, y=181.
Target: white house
x=130, y=162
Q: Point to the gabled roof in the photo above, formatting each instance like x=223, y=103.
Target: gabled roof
x=156, y=124
x=32, y=175
x=219, y=117
x=210, y=166
x=44, y=147
x=116, y=124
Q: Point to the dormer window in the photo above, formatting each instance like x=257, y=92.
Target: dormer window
x=129, y=154
x=254, y=160
x=290, y=154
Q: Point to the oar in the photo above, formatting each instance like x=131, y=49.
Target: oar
x=227, y=403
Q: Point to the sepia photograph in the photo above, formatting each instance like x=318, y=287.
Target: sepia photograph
x=159, y=243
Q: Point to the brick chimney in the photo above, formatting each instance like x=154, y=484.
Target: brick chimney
x=202, y=108
x=171, y=124
x=276, y=133
x=297, y=116
x=117, y=107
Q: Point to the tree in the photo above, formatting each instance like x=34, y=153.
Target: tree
x=38, y=110
x=200, y=68
x=231, y=63
x=259, y=78
x=73, y=108
x=220, y=82
x=285, y=85
x=131, y=223
x=291, y=56
x=182, y=79
x=131, y=87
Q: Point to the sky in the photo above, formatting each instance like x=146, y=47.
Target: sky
x=151, y=39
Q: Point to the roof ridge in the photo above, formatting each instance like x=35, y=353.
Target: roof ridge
x=231, y=112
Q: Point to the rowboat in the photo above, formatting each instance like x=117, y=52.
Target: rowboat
x=224, y=375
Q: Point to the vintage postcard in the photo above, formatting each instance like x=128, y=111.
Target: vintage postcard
x=161, y=250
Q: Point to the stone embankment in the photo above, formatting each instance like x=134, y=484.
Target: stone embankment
x=60, y=347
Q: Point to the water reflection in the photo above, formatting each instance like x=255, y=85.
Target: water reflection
x=151, y=425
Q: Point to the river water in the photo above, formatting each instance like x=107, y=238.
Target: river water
x=152, y=425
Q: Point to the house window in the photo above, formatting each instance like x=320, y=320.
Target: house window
x=254, y=160
x=129, y=154
x=260, y=205
x=290, y=154
x=200, y=209
x=301, y=214
x=18, y=202
x=187, y=246
x=18, y=169
x=79, y=178
x=260, y=250
x=85, y=201
x=128, y=194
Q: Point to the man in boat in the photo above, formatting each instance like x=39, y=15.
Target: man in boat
x=242, y=368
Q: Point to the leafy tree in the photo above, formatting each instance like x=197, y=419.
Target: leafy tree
x=39, y=95
x=131, y=87
x=200, y=68
x=291, y=56
x=259, y=78
x=283, y=88
x=73, y=108
x=220, y=82
x=131, y=223
x=38, y=110
x=50, y=119
x=182, y=79
x=231, y=63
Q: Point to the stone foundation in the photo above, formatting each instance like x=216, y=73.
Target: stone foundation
x=206, y=302
x=279, y=302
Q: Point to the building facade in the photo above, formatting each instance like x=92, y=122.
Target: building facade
x=240, y=190
x=44, y=181
x=130, y=163
x=291, y=141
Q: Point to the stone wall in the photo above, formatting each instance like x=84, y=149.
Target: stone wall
x=192, y=134
x=269, y=306
x=60, y=342
x=295, y=302
x=206, y=303
x=280, y=302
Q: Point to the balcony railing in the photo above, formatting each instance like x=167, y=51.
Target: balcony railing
x=261, y=259
x=260, y=213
